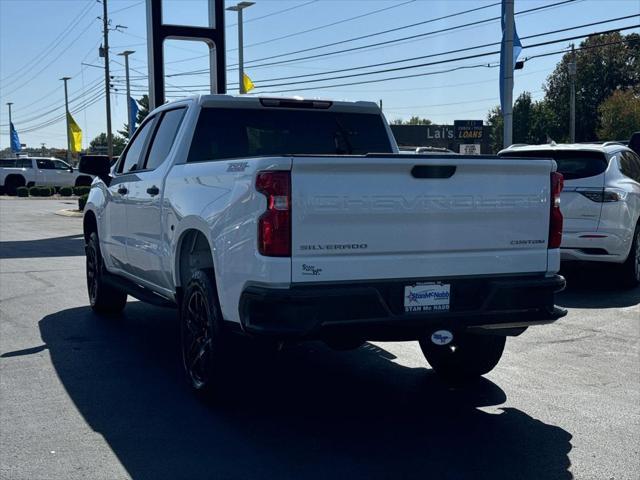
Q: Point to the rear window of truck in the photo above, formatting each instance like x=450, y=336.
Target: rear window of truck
x=571, y=164
x=231, y=133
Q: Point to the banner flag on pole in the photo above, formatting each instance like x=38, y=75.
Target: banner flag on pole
x=517, y=50
x=248, y=84
x=15, y=140
x=75, y=134
x=133, y=108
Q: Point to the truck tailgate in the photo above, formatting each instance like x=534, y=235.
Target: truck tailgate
x=410, y=216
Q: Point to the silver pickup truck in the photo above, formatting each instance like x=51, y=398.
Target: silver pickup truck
x=29, y=171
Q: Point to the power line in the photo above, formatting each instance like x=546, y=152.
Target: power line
x=284, y=10
x=361, y=37
x=34, y=76
x=427, y=64
x=459, y=50
x=54, y=43
x=96, y=98
x=126, y=8
x=319, y=87
x=410, y=37
x=449, y=29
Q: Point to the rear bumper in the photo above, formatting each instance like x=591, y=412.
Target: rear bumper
x=600, y=246
x=375, y=310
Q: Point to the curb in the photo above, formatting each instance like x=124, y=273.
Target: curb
x=69, y=213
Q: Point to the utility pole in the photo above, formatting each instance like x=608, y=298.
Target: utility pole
x=130, y=124
x=66, y=111
x=9, y=105
x=238, y=8
x=572, y=104
x=105, y=32
x=507, y=62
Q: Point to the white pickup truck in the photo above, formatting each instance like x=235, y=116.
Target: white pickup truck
x=291, y=219
x=29, y=171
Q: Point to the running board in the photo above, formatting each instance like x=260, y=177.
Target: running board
x=137, y=291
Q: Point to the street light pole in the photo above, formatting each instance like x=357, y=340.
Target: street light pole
x=66, y=111
x=105, y=32
x=572, y=104
x=507, y=62
x=126, y=54
x=239, y=8
x=9, y=105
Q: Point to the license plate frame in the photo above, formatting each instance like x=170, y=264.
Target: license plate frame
x=427, y=297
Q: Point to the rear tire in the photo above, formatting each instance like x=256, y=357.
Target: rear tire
x=11, y=184
x=466, y=357
x=631, y=267
x=203, y=342
x=102, y=297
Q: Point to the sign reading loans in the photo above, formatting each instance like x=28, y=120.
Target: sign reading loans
x=468, y=129
x=427, y=297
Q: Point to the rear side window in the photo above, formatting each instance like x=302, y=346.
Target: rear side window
x=8, y=162
x=164, y=137
x=25, y=163
x=45, y=164
x=630, y=165
x=230, y=133
x=571, y=164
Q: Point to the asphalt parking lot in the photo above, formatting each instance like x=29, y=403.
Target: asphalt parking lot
x=87, y=398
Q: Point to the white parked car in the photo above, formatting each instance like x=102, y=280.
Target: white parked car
x=29, y=171
x=294, y=219
x=600, y=202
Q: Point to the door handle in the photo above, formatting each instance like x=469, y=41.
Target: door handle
x=123, y=190
x=153, y=191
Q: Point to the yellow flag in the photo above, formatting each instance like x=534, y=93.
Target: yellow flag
x=248, y=84
x=75, y=134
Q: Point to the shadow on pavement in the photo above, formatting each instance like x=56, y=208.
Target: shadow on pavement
x=595, y=286
x=68, y=246
x=310, y=413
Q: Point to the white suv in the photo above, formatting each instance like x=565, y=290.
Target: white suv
x=600, y=202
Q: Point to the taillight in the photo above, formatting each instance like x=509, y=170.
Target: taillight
x=555, y=217
x=274, y=226
x=601, y=195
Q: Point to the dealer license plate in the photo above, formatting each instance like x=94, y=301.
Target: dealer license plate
x=427, y=297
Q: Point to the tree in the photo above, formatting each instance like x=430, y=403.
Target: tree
x=619, y=115
x=119, y=143
x=532, y=122
x=605, y=63
x=143, y=111
x=414, y=120
x=496, y=125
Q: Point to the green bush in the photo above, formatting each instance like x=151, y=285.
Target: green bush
x=46, y=191
x=66, y=191
x=81, y=190
x=22, y=191
x=82, y=201
x=34, y=191
x=56, y=189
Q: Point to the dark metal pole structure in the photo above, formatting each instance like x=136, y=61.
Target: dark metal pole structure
x=158, y=32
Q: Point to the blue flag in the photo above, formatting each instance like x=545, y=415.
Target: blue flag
x=15, y=141
x=133, y=108
x=517, y=49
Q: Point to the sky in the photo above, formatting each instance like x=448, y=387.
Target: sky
x=42, y=41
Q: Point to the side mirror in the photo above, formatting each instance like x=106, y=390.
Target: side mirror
x=98, y=165
x=70, y=169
